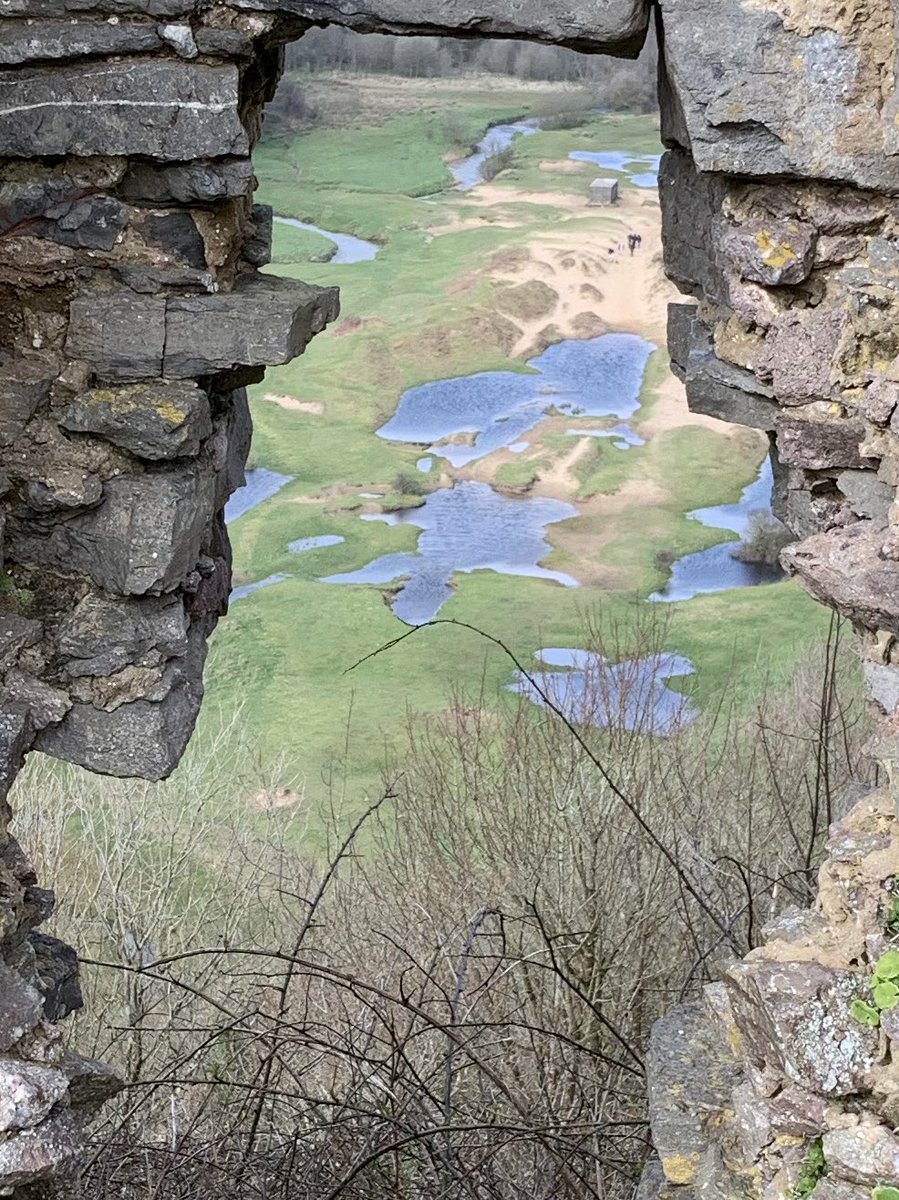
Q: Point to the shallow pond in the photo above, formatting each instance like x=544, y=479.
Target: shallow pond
x=466, y=528
x=716, y=569
x=590, y=690
x=247, y=589
x=641, y=169
x=624, y=435
x=599, y=377
x=301, y=545
x=261, y=484
x=349, y=249
x=467, y=171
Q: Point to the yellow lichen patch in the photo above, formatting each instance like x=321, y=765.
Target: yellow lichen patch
x=170, y=412
x=680, y=1168
x=125, y=401
x=775, y=254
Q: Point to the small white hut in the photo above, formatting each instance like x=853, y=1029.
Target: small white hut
x=603, y=191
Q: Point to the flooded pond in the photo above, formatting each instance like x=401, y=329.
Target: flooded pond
x=301, y=545
x=624, y=435
x=641, y=169
x=716, y=569
x=349, y=249
x=590, y=690
x=247, y=589
x=466, y=528
x=467, y=171
x=464, y=419
x=261, y=484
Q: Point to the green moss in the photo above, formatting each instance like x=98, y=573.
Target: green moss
x=813, y=1169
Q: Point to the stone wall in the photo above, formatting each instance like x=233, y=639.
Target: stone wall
x=133, y=315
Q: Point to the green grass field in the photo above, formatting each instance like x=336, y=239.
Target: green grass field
x=426, y=309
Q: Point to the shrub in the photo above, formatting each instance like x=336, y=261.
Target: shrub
x=501, y=160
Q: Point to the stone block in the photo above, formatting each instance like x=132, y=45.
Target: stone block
x=691, y=213
x=265, y=320
x=879, y=401
x=101, y=636
x=681, y=336
x=41, y=1153
x=795, y=1018
x=91, y=1082
x=120, y=334
x=21, y=1008
x=56, y=965
x=868, y=496
x=35, y=40
x=834, y=1189
x=85, y=223
x=800, y=351
x=867, y=1154
x=772, y=253
x=188, y=183
x=258, y=250
x=145, y=738
x=27, y=1093
x=882, y=685
x=16, y=735
x=19, y=401
x=715, y=387
x=144, y=538
x=816, y=440
x=159, y=108
x=153, y=421
x=783, y=94
x=605, y=26
x=691, y=1074
x=16, y=633
x=843, y=568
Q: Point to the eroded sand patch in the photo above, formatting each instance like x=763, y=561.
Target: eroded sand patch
x=294, y=405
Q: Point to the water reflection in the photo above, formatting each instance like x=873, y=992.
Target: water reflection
x=466, y=528
x=716, y=569
x=261, y=484
x=590, y=690
x=466, y=418
x=641, y=169
x=349, y=249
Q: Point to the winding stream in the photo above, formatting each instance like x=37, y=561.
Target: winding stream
x=467, y=171
x=590, y=690
x=466, y=418
x=716, y=569
x=469, y=527
x=349, y=249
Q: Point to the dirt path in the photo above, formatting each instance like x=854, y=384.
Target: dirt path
x=560, y=479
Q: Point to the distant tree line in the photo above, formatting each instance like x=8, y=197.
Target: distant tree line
x=616, y=83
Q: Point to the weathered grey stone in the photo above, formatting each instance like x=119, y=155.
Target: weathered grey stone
x=39, y=1153
x=21, y=1007
x=160, y=108
x=797, y=1112
x=16, y=735
x=144, y=738
x=56, y=965
x=91, y=1082
x=153, y=421
x=834, y=1189
x=19, y=401
x=188, y=183
x=771, y=252
x=27, y=1093
x=814, y=440
x=879, y=401
x=882, y=685
x=609, y=26
x=866, y=1154
x=867, y=495
x=265, y=320
x=691, y=214
x=101, y=636
x=15, y=634
x=258, y=250
x=144, y=537
x=45, y=703
x=691, y=1074
x=795, y=1018
x=120, y=334
x=177, y=235
x=33, y=40
x=91, y=222
x=180, y=38
x=799, y=354
x=654, y=1186
x=843, y=568
x=786, y=93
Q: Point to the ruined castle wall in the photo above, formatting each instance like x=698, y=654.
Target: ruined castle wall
x=133, y=315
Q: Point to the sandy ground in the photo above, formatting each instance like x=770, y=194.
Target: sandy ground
x=294, y=405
